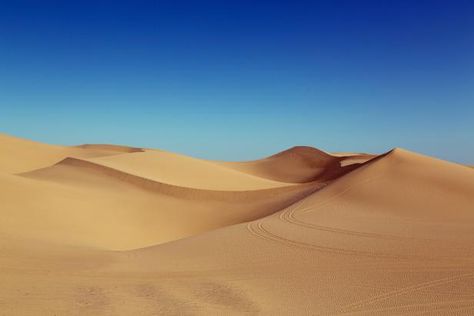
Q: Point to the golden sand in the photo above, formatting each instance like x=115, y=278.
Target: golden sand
x=117, y=230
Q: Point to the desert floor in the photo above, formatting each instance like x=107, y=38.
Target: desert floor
x=117, y=230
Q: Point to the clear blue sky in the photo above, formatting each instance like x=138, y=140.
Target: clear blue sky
x=239, y=80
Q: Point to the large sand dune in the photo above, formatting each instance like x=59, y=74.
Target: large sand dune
x=117, y=230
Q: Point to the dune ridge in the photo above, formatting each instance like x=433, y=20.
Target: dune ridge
x=164, y=188
x=106, y=232
x=109, y=147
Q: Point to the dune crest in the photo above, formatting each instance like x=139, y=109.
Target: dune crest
x=59, y=173
x=113, y=148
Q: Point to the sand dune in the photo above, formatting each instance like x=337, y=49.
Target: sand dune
x=21, y=155
x=296, y=165
x=126, y=210
x=302, y=232
x=186, y=171
x=111, y=148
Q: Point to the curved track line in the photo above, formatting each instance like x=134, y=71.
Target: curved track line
x=288, y=215
x=451, y=310
x=437, y=307
x=347, y=189
x=427, y=291
x=257, y=229
x=405, y=290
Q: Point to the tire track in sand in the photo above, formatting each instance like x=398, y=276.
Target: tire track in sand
x=406, y=290
x=257, y=229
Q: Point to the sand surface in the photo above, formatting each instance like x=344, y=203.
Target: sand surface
x=117, y=230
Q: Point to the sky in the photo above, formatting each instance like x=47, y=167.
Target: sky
x=240, y=80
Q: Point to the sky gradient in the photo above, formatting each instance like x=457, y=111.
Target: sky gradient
x=236, y=80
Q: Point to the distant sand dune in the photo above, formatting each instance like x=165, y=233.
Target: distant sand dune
x=112, y=148
x=117, y=230
x=296, y=165
x=21, y=155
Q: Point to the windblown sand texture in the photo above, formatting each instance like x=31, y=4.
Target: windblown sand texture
x=116, y=230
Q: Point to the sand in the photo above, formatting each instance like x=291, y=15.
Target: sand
x=117, y=230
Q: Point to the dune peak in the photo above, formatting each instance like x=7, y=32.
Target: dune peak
x=303, y=151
